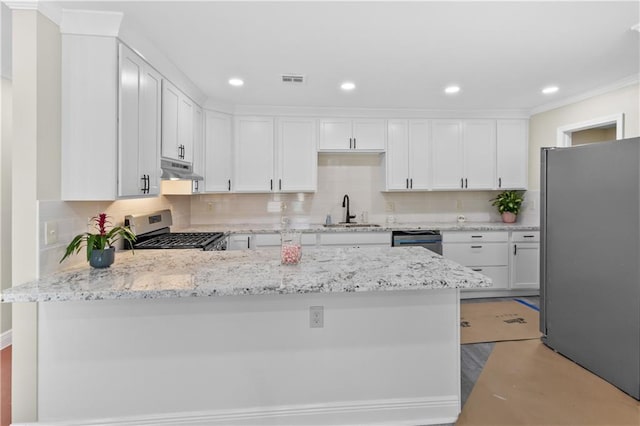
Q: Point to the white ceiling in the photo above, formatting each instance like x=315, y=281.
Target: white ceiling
x=399, y=54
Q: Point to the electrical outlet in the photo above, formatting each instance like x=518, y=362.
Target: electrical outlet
x=390, y=207
x=316, y=316
x=210, y=206
x=50, y=233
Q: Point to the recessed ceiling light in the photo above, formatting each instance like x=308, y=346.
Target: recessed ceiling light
x=347, y=85
x=636, y=27
x=236, y=82
x=450, y=90
x=549, y=90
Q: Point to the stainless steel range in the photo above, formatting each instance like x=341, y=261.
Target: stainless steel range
x=152, y=232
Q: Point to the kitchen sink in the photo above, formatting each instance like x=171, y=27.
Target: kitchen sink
x=352, y=225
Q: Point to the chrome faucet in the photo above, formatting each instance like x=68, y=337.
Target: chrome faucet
x=345, y=203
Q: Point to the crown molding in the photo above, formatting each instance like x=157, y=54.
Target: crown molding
x=90, y=22
x=47, y=8
x=620, y=84
x=299, y=111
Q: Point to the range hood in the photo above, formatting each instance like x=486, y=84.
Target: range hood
x=176, y=170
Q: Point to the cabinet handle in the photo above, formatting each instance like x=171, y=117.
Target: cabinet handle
x=144, y=184
x=500, y=182
x=515, y=249
x=271, y=184
x=280, y=184
x=476, y=236
x=248, y=242
x=477, y=269
x=350, y=143
x=354, y=143
x=148, y=184
x=411, y=183
x=197, y=189
x=465, y=183
x=529, y=236
x=461, y=182
x=476, y=246
x=229, y=184
x=407, y=183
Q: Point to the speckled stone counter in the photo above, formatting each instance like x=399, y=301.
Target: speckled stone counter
x=151, y=274
x=266, y=228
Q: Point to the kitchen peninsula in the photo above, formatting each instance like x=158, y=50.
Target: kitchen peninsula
x=347, y=336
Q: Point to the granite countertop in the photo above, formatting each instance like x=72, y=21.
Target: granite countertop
x=267, y=228
x=151, y=274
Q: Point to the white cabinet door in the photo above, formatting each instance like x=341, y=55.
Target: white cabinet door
x=254, y=154
x=342, y=134
x=419, y=154
x=335, y=134
x=218, y=159
x=150, y=128
x=446, y=160
x=198, y=148
x=131, y=70
x=512, y=154
x=525, y=265
x=186, y=113
x=369, y=134
x=479, y=154
x=170, y=108
x=139, y=133
x=397, y=155
x=297, y=155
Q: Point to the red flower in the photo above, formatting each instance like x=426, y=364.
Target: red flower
x=102, y=222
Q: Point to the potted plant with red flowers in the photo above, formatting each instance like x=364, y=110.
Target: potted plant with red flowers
x=100, y=249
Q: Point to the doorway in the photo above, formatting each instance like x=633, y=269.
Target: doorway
x=596, y=130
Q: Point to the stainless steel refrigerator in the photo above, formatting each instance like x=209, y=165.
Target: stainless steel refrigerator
x=590, y=258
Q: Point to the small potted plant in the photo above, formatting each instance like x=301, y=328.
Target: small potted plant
x=100, y=249
x=509, y=204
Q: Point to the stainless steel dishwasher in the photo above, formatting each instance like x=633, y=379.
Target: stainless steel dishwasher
x=431, y=240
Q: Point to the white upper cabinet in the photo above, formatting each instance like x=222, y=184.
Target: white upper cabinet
x=297, y=155
x=287, y=163
x=464, y=154
x=254, y=154
x=352, y=135
x=111, y=112
x=139, y=134
x=217, y=152
x=512, y=150
x=177, y=124
x=407, y=155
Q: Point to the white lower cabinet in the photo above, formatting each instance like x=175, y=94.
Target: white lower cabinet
x=239, y=242
x=484, y=252
x=356, y=239
x=525, y=260
x=510, y=259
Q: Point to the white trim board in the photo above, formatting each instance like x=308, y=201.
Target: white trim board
x=6, y=339
x=563, y=135
x=413, y=411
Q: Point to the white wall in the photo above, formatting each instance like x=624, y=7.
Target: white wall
x=543, y=126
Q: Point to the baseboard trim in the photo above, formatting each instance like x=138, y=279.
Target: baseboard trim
x=5, y=339
x=435, y=410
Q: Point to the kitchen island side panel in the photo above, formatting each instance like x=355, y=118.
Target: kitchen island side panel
x=388, y=356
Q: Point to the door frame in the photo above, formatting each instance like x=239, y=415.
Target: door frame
x=563, y=138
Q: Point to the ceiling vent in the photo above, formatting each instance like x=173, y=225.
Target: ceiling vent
x=293, y=78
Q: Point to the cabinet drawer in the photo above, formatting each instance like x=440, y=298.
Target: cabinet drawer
x=525, y=236
x=273, y=240
x=471, y=236
x=356, y=238
x=498, y=274
x=480, y=254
